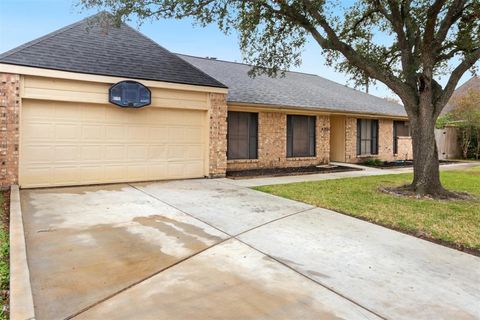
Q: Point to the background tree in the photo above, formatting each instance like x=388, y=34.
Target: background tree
x=404, y=44
x=466, y=116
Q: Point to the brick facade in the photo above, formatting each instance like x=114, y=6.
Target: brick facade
x=405, y=151
x=385, y=142
x=272, y=144
x=217, y=114
x=9, y=130
x=351, y=139
x=385, y=139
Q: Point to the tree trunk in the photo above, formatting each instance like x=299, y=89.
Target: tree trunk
x=426, y=171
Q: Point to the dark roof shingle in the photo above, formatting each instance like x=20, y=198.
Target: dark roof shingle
x=89, y=47
x=299, y=90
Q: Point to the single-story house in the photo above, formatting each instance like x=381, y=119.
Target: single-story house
x=88, y=104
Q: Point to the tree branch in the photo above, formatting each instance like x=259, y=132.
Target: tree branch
x=371, y=69
x=453, y=14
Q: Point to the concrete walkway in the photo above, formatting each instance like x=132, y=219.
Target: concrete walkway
x=364, y=171
x=206, y=249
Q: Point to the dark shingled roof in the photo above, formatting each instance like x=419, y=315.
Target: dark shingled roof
x=89, y=47
x=298, y=90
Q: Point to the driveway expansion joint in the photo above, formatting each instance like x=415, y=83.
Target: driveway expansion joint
x=143, y=279
x=252, y=247
x=313, y=280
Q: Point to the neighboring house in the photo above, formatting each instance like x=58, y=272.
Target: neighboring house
x=471, y=84
x=58, y=127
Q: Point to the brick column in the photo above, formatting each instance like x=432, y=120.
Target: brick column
x=323, y=139
x=350, y=139
x=9, y=128
x=385, y=139
x=218, y=135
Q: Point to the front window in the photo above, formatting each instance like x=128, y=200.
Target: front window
x=400, y=129
x=300, y=136
x=242, y=135
x=367, y=137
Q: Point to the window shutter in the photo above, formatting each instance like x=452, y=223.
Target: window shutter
x=311, y=135
x=253, y=136
x=395, y=137
x=289, y=136
x=359, y=135
x=374, y=136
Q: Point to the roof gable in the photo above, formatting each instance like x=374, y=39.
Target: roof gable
x=88, y=47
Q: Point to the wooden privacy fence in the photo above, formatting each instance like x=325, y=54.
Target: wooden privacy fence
x=447, y=143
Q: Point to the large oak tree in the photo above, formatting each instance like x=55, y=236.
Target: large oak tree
x=407, y=45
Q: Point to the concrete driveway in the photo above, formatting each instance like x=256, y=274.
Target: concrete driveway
x=206, y=249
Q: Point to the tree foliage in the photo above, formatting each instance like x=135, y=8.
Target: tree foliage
x=466, y=117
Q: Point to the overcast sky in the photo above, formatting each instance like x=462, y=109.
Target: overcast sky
x=25, y=20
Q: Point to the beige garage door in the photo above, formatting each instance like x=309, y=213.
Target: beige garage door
x=73, y=144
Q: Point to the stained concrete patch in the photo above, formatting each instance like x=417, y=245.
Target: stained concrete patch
x=84, y=244
x=227, y=207
x=228, y=281
x=390, y=273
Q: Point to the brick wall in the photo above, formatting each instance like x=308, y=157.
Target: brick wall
x=272, y=144
x=385, y=142
x=405, y=151
x=9, y=116
x=218, y=135
x=385, y=139
x=351, y=139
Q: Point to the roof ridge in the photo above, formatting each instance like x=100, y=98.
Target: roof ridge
x=173, y=53
x=242, y=63
x=47, y=36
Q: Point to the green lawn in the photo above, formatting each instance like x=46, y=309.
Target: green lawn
x=4, y=255
x=455, y=221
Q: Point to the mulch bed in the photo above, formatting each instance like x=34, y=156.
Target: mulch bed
x=290, y=171
x=399, y=164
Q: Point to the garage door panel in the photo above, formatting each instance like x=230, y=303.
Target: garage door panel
x=191, y=134
x=194, y=152
x=39, y=176
x=39, y=131
x=115, y=152
x=158, y=134
x=66, y=174
x=93, y=132
x=192, y=168
x=157, y=152
x=90, y=174
x=92, y=114
x=138, y=133
x=66, y=131
x=66, y=153
x=72, y=144
x=137, y=152
x=115, y=132
x=38, y=153
x=91, y=153
x=115, y=173
x=175, y=152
